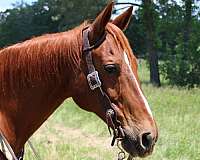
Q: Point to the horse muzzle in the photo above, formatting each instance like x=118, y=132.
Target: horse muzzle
x=138, y=146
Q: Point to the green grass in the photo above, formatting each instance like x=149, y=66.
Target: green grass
x=73, y=134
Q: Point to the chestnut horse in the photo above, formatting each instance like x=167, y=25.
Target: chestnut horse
x=36, y=76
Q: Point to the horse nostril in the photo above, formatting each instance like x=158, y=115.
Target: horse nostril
x=146, y=140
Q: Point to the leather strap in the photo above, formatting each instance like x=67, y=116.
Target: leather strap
x=110, y=112
x=87, y=51
x=8, y=146
x=20, y=155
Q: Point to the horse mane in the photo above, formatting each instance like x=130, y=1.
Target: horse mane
x=42, y=59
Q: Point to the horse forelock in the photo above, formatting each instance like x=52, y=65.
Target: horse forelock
x=41, y=59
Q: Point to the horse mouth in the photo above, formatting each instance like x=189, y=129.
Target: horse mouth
x=134, y=150
x=132, y=146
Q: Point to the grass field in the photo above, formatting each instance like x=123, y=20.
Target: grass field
x=73, y=134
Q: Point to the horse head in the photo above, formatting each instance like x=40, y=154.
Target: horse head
x=116, y=65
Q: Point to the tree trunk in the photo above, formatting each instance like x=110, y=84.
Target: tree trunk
x=187, y=23
x=149, y=23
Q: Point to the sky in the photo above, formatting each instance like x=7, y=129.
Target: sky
x=5, y=4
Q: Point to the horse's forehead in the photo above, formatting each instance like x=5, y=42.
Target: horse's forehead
x=118, y=40
x=110, y=48
x=116, y=45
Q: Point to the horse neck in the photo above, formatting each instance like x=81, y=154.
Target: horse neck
x=46, y=94
x=69, y=63
x=49, y=60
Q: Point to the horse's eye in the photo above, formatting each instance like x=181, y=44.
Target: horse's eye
x=111, y=68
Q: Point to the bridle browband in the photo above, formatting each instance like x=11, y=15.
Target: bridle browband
x=96, y=84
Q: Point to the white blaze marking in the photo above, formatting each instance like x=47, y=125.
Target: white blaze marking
x=137, y=85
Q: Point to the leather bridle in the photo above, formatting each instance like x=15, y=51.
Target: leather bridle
x=96, y=84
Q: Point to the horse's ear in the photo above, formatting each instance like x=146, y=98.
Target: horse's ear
x=123, y=20
x=97, y=28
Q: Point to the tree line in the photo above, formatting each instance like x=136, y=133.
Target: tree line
x=164, y=32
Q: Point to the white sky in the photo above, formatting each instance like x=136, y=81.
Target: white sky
x=5, y=4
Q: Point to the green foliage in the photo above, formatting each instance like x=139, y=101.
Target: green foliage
x=182, y=67
x=25, y=21
x=137, y=31
x=181, y=55
x=73, y=12
x=176, y=36
x=136, y=36
x=44, y=16
x=169, y=25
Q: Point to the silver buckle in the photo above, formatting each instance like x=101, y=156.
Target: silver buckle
x=93, y=80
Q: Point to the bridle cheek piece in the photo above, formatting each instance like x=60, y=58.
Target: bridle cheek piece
x=94, y=82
